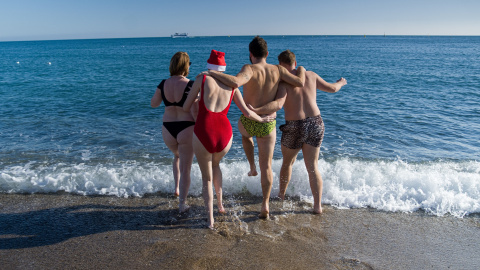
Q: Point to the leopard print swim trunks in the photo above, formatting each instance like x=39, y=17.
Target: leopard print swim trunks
x=297, y=132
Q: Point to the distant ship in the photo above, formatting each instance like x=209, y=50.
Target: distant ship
x=180, y=35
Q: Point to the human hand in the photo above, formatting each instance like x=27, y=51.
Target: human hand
x=251, y=107
x=268, y=118
x=342, y=81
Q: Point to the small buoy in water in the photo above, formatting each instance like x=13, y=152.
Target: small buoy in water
x=49, y=63
x=18, y=62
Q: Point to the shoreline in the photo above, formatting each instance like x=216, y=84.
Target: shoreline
x=58, y=231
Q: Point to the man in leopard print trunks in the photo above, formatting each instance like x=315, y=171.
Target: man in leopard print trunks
x=303, y=128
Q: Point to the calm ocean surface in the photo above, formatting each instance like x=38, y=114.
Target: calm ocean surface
x=403, y=135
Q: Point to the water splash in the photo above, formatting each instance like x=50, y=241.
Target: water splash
x=438, y=188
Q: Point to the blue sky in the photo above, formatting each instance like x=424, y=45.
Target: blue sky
x=78, y=19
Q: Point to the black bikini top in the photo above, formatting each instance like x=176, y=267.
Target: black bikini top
x=185, y=94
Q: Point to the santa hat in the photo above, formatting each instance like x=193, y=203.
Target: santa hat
x=216, y=61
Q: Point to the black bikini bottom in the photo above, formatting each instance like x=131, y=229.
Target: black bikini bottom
x=176, y=127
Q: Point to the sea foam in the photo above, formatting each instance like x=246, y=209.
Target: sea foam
x=439, y=188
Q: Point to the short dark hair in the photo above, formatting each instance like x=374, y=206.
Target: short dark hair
x=258, y=47
x=286, y=57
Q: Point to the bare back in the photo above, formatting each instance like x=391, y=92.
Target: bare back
x=263, y=85
x=301, y=102
x=216, y=95
x=174, y=90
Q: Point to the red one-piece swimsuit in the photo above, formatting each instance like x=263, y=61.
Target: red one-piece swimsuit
x=213, y=129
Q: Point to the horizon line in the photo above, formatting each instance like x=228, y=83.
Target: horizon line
x=200, y=36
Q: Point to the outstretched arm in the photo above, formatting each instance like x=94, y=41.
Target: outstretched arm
x=238, y=99
x=156, y=99
x=297, y=81
x=330, y=87
x=240, y=79
x=274, y=105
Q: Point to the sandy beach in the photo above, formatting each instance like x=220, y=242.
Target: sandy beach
x=63, y=231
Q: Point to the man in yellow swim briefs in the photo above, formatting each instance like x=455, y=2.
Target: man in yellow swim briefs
x=260, y=82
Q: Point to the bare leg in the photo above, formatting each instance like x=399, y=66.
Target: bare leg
x=310, y=156
x=185, y=151
x=217, y=182
x=249, y=148
x=186, y=160
x=176, y=174
x=266, y=145
x=207, y=193
x=206, y=161
x=217, y=176
x=289, y=157
x=172, y=144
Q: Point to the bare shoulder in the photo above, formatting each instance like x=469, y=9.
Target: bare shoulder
x=209, y=80
x=201, y=74
x=212, y=83
x=280, y=68
x=247, y=67
x=310, y=73
x=311, y=79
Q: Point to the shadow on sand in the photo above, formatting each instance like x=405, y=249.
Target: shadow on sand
x=54, y=225
x=34, y=228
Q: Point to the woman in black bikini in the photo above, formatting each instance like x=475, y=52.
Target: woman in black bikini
x=178, y=125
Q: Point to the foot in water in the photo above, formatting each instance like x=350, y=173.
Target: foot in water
x=183, y=208
x=317, y=211
x=221, y=210
x=264, y=215
x=177, y=193
x=281, y=196
x=253, y=172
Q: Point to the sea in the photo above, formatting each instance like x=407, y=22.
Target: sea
x=402, y=136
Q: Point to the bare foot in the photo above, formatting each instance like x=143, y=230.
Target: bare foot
x=281, y=196
x=221, y=210
x=253, y=172
x=183, y=208
x=317, y=211
x=176, y=194
x=263, y=215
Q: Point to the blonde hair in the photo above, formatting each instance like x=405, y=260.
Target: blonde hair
x=179, y=64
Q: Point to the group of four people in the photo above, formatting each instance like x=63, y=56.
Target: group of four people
x=198, y=124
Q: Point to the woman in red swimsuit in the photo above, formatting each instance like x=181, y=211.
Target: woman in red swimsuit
x=212, y=136
x=178, y=124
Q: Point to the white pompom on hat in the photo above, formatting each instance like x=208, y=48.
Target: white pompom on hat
x=216, y=61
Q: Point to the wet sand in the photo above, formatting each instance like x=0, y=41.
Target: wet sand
x=63, y=231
